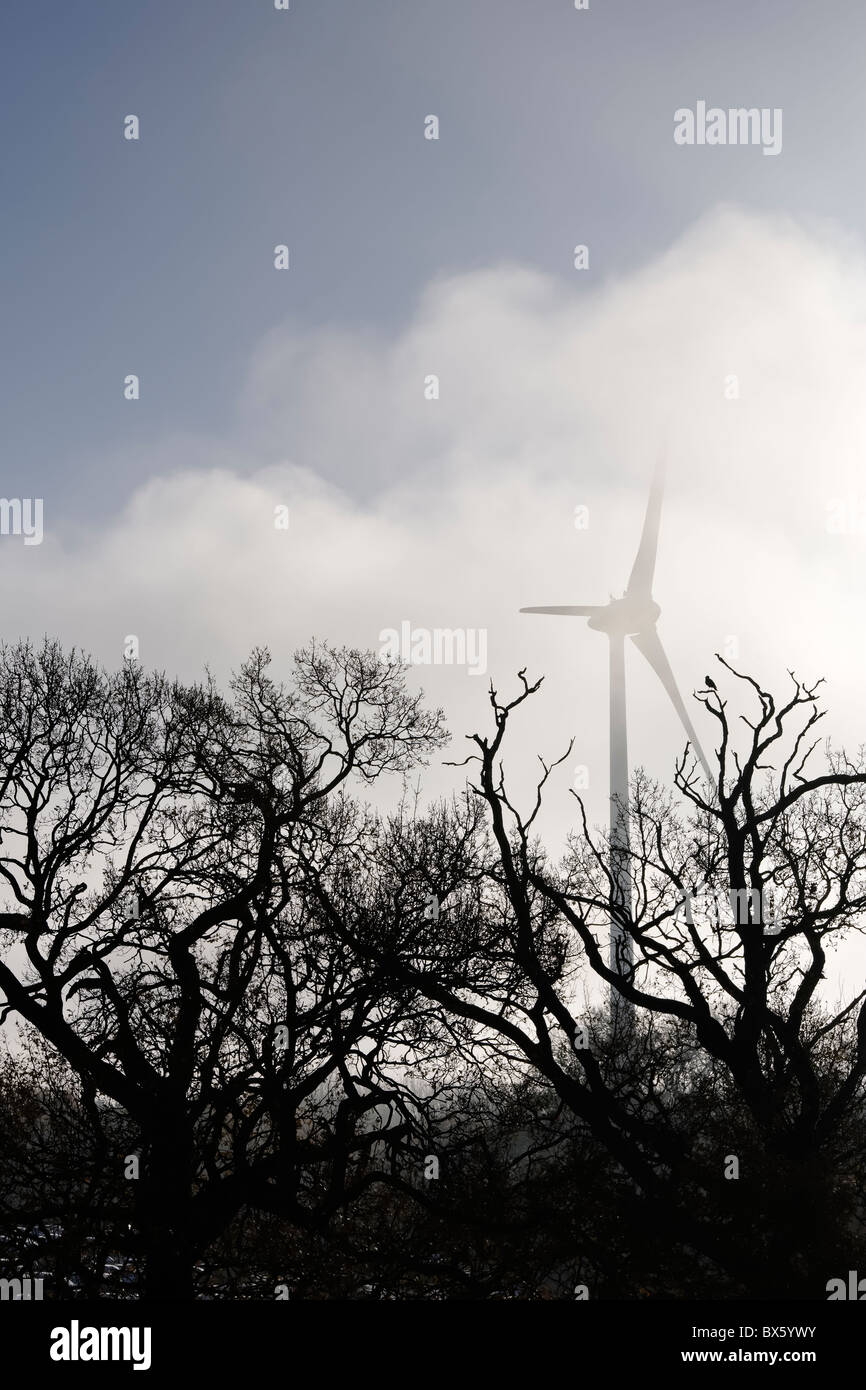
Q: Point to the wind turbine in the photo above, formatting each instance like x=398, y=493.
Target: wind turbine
x=634, y=615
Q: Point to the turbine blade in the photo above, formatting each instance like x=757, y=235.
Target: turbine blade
x=584, y=611
x=640, y=581
x=649, y=643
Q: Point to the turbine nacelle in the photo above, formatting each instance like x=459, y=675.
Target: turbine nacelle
x=626, y=616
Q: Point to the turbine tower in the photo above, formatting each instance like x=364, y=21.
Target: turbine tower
x=634, y=615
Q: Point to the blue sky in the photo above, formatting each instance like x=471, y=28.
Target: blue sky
x=306, y=127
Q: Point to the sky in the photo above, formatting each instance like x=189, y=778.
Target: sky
x=720, y=323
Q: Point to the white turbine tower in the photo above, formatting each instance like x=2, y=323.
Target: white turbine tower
x=635, y=616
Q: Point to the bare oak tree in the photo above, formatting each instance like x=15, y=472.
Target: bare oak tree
x=158, y=936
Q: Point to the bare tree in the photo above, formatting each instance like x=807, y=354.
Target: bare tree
x=738, y=890
x=159, y=938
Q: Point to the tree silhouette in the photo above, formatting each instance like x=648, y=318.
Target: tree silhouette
x=165, y=947
x=273, y=1005
x=727, y=996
